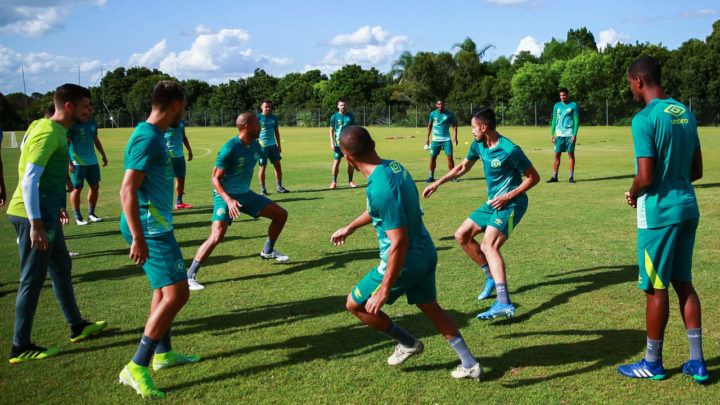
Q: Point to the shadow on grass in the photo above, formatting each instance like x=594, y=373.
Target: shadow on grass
x=93, y=235
x=341, y=187
x=624, y=176
x=287, y=200
x=449, y=182
x=707, y=185
x=207, y=223
x=205, y=209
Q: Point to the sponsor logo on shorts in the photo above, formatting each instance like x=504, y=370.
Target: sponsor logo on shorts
x=498, y=221
x=357, y=293
x=180, y=265
x=220, y=212
x=495, y=163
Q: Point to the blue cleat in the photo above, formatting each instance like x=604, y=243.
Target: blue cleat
x=487, y=290
x=497, y=309
x=644, y=369
x=697, y=369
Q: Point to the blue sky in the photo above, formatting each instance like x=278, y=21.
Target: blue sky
x=217, y=40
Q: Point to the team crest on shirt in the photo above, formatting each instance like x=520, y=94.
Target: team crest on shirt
x=220, y=212
x=569, y=109
x=675, y=110
x=180, y=266
x=495, y=163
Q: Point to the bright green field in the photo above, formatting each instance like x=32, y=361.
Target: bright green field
x=279, y=333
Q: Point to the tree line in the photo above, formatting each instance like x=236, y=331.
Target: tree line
x=462, y=77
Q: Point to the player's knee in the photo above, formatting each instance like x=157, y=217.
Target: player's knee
x=351, y=305
x=462, y=236
x=281, y=215
x=487, y=246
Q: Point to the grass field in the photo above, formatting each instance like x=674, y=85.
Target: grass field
x=271, y=332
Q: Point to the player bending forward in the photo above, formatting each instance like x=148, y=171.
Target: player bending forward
x=407, y=253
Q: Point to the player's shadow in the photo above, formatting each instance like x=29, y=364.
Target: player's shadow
x=198, y=242
x=206, y=209
x=591, y=350
x=93, y=235
x=288, y=200
x=206, y=223
x=624, y=176
x=327, y=190
x=590, y=280
x=461, y=179
x=707, y=185
x=115, y=273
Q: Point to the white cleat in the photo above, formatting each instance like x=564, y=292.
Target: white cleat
x=402, y=353
x=94, y=218
x=475, y=372
x=277, y=256
x=194, y=285
x=81, y=222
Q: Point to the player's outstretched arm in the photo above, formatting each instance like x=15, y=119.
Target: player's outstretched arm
x=128, y=198
x=399, y=243
x=531, y=179
x=456, y=172
x=338, y=238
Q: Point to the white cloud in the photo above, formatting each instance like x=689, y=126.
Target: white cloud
x=202, y=29
x=706, y=12
x=610, y=37
x=150, y=58
x=365, y=35
x=531, y=45
x=35, y=18
x=368, y=46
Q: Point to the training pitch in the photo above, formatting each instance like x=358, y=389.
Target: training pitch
x=271, y=332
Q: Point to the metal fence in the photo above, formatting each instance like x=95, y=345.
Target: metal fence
x=594, y=113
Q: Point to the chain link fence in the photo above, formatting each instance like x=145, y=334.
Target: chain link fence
x=592, y=113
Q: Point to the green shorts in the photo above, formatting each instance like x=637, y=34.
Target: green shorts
x=269, y=153
x=337, y=153
x=665, y=254
x=564, y=144
x=165, y=264
x=504, y=220
x=416, y=280
x=83, y=173
x=179, y=167
x=251, y=203
x=446, y=146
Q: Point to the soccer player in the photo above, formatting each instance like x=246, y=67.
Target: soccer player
x=37, y=211
x=146, y=196
x=439, y=124
x=83, y=164
x=668, y=159
x=270, y=146
x=231, y=178
x=407, y=254
x=175, y=138
x=338, y=121
x=504, y=164
x=2, y=177
x=563, y=132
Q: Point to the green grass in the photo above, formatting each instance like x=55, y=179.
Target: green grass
x=273, y=332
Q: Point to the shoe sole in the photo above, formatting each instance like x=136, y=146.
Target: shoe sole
x=494, y=316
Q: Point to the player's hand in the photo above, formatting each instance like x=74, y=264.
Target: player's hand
x=376, y=302
x=38, y=237
x=338, y=238
x=332, y=147
x=279, y=149
x=552, y=138
x=71, y=168
x=500, y=201
x=429, y=190
x=234, y=208
x=190, y=155
x=104, y=160
x=427, y=141
x=630, y=200
x=572, y=140
x=68, y=185
x=139, y=251
x=456, y=142
x=64, y=217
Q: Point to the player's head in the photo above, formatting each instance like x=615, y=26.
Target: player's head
x=73, y=100
x=356, y=144
x=266, y=106
x=248, y=123
x=49, y=111
x=342, y=106
x=440, y=104
x=483, y=121
x=168, y=96
x=643, y=73
x=564, y=94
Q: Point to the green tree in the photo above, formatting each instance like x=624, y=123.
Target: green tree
x=262, y=86
x=139, y=99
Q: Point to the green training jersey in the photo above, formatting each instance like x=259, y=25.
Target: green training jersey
x=339, y=121
x=45, y=145
x=238, y=160
x=504, y=165
x=666, y=131
x=146, y=152
x=174, y=139
x=82, y=143
x=565, y=119
x=31, y=126
x=393, y=202
x=267, y=129
x=441, y=122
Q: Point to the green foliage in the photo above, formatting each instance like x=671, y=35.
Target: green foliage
x=306, y=119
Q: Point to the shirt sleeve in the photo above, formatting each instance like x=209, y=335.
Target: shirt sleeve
x=520, y=160
x=222, y=156
x=473, y=152
x=453, y=118
x=430, y=118
x=352, y=119
x=576, y=119
x=643, y=137
x=389, y=209
x=139, y=154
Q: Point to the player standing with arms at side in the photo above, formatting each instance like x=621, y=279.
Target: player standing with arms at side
x=407, y=253
x=668, y=159
x=231, y=179
x=83, y=139
x=504, y=164
x=270, y=142
x=338, y=121
x=175, y=138
x=37, y=210
x=563, y=132
x=439, y=124
x=146, y=195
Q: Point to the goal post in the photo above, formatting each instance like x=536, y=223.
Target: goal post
x=9, y=140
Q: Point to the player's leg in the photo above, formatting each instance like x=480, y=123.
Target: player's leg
x=465, y=236
x=433, y=164
x=180, y=169
x=492, y=241
x=335, y=168
x=261, y=178
x=92, y=176
x=448, y=148
x=556, y=163
x=78, y=180
x=217, y=233
x=278, y=217
x=351, y=171
x=275, y=160
x=571, y=160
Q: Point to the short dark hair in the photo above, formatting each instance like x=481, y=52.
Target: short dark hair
x=563, y=90
x=439, y=100
x=486, y=115
x=70, y=92
x=50, y=110
x=648, y=68
x=356, y=141
x=166, y=92
x=341, y=100
x=265, y=101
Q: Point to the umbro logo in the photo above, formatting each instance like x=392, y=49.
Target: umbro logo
x=675, y=110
